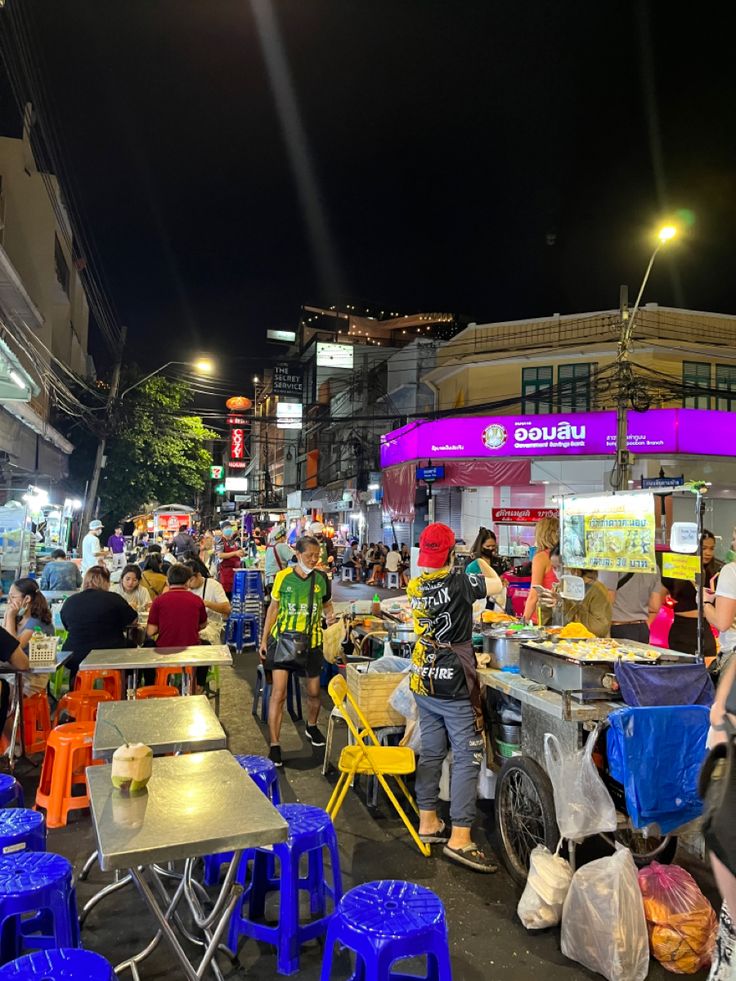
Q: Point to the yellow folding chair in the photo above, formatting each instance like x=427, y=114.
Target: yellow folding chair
x=370, y=758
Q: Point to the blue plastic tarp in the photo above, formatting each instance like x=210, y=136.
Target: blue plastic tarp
x=656, y=753
x=664, y=684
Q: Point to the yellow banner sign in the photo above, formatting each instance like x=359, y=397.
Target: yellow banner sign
x=676, y=566
x=611, y=533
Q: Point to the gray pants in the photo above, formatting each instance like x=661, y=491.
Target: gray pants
x=442, y=721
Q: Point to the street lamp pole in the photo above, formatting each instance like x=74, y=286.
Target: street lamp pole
x=622, y=472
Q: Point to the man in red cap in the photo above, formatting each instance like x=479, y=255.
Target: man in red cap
x=447, y=692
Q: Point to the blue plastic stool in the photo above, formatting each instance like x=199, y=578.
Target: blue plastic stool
x=59, y=965
x=21, y=830
x=263, y=774
x=247, y=582
x=310, y=832
x=235, y=632
x=386, y=921
x=11, y=791
x=38, y=883
x=263, y=691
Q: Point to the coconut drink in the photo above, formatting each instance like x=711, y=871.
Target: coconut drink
x=131, y=767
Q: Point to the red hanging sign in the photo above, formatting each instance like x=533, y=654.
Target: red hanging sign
x=237, y=444
x=522, y=516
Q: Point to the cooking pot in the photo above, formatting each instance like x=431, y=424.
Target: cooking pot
x=504, y=651
x=401, y=633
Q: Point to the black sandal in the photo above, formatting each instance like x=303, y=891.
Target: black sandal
x=439, y=837
x=470, y=856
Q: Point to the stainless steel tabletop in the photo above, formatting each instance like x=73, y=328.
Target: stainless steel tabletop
x=194, y=805
x=60, y=658
x=167, y=725
x=137, y=658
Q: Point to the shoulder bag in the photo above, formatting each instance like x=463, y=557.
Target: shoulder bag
x=292, y=646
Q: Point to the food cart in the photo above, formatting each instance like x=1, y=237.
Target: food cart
x=568, y=687
x=169, y=519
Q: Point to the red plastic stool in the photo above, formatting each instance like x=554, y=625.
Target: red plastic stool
x=68, y=752
x=82, y=705
x=163, y=674
x=157, y=691
x=36, y=722
x=111, y=681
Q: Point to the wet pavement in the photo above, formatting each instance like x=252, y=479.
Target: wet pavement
x=486, y=938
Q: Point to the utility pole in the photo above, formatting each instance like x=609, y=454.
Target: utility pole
x=94, y=483
x=620, y=479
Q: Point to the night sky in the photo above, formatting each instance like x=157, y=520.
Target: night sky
x=498, y=160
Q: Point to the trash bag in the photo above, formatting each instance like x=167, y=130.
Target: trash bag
x=603, y=924
x=402, y=699
x=546, y=888
x=681, y=922
x=389, y=663
x=582, y=803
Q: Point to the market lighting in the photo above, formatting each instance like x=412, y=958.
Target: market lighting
x=15, y=377
x=666, y=233
x=204, y=365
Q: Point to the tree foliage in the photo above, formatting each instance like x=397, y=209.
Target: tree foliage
x=157, y=451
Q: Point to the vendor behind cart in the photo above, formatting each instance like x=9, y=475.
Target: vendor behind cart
x=447, y=692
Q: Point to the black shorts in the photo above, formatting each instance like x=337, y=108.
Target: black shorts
x=315, y=660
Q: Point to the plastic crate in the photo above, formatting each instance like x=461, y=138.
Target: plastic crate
x=42, y=649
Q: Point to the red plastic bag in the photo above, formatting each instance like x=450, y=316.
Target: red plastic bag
x=681, y=922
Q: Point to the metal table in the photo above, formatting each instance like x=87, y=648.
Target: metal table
x=135, y=659
x=17, y=733
x=194, y=805
x=167, y=725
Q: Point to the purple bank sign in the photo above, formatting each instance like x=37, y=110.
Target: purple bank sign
x=661, y=431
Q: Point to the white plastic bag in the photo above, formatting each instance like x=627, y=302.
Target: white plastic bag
x=582, y=803
x=549, y=880
x=603, y=924
x=402, y=699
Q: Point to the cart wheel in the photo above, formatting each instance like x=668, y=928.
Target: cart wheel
x=525, y=813
x=653, y=848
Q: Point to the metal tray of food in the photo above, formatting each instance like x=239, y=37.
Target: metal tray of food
x=586, y=681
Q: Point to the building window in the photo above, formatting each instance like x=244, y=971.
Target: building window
x=536, y=390
x=726, y=382
x=60, y=264
x=573, y=387
x=696, y=374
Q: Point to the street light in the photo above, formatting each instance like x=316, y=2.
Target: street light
x=620, y=476
x=204, y=366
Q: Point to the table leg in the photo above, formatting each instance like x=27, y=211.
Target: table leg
x=16, y=733
x=88, y=866
x=99, y=896
x=132, y=684
x=164, y=930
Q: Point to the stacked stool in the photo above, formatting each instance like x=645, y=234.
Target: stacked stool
x=310, y=832
x=263, y=774
x=247, y=610
x=382, y=922
x=68, y=753
x=111, y=681
x=81, y=705
x=157, y=691
x=37, y=894
x=263, y=692
x=65, y=964
x=21, y=830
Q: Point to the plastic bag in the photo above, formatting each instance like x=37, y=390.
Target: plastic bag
x=546, y=888
x=603, y=924
x=389, y=663
x=402, y=698
x=583, y=805
x=681, y=922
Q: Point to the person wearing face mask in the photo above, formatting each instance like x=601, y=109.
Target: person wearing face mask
x=300, y=596
x=230, y=556
x=684, y=630
x=447, y=691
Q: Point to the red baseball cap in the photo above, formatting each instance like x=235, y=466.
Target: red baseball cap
x=435, y=544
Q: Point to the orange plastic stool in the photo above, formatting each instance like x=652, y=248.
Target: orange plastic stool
x=111, y=681
x=36, y=722
x=68, y=752
x=163, y=674
x=157, y=691
x=82, y=705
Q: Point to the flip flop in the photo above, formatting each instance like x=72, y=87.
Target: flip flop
x=439, y=837
x=472, y=857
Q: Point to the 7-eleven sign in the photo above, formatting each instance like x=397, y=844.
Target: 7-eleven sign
x=217, y=473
